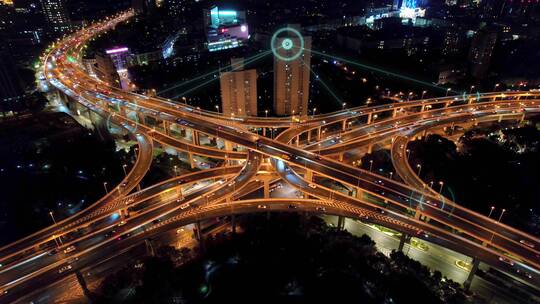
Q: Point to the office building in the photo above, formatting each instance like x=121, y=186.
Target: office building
x=481, y=51
x=239, y=90
x=56, y=15
x=291, y=79
x=106, y=70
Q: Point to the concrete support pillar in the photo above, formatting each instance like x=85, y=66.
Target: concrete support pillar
x=149, y=247
x=394, y=112
x=309, y=136
x=370, y=148
x=500, y=118
x=369, y=117
x=447, y=104
x=82, y=283
x=405, y=238
x=140, y=118
x=318, y=133
x=195, y=138
x=341, y=222
x=167, y=127
x=122, y=111
x=522, y=118
x=423, y=108
x=309, y=176
x=297, y=138
x=198, y=233
x=359, y=193
x=341, y=156
x=471, y=100
x=470, y=277
x=233, y=224
x=266, y=188
x=264, y=132
x=228, y=145
x=344, y=125
x=191, y=161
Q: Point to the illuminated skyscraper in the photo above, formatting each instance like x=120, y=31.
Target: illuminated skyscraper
x=481, y=51
x=239, y=90
x=11, y=89
x=56, y=15
x=291, y=79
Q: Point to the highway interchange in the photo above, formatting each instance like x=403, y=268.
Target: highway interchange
x=301, y=155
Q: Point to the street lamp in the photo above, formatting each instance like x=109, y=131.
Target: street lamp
x=391, y=174
x=491, y=211
x=500, y=217
x=419, y=169
x=431, y=184
x=423, y=93
x=175, y=171
x=470, y=90
x=266, y=113
x=370, y=165
x=124, y=168
x=105, y=186
x=441, y=183
x=448, y=91
x=217, y=108
x=52, y=216
x=314, y=110
x=408, y=153
x=344, y=105
x=496, y=86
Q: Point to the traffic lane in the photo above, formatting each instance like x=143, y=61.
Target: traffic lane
x=423, y=230
x=143, y=198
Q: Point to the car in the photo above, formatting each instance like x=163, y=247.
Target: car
x=70, y=249
x=318, y=157
x=379, y=210
x=293, y=207
x=506, y=260
x=526, y=243
x=4, y=292
x=123, y=236
x=65, y=268
x=72, y=260
x=122, y=223
x=312, y=185
x=321, y=209
x=261, y=206
x=184, y=206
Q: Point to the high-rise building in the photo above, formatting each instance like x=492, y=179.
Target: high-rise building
x=56, y=15
x=106, y=70
x=481, y=51
x=11, y=89
x=451, y=42
x=291, y=78
x=239, y=90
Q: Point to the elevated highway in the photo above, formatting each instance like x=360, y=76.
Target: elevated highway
x=147, y=213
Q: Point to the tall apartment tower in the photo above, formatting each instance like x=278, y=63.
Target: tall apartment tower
x=481, y=51
x=239, y=90
x=291, y=78
x=11, y=88
x=56, y=15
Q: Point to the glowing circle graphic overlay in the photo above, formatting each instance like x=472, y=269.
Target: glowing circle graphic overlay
x=287, y=44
